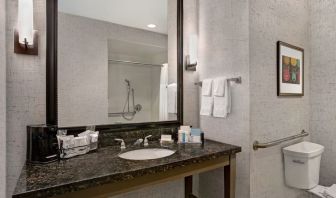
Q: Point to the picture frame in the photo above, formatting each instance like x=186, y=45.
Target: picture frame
x=290, y=70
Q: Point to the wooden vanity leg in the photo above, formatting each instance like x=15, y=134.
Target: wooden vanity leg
x=230, y=178
x=188, y=186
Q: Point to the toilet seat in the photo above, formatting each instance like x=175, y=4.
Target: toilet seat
x=324, y=192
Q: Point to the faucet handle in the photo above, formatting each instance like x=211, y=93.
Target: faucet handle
x=146, y=140
x=138, y=142
x=122, y=146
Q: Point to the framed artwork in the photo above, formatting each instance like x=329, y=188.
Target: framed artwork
x=290, y=75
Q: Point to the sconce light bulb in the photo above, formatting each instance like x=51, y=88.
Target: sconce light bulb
x=193, y=48
x=151, y=25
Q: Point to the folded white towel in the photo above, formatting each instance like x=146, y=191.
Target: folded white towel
x=331, y=191
x=206, y=87
x=323, y=191
x=219, y=86
x=222, y=105
x=172, y=98
x=318, y=190
x=206, y=106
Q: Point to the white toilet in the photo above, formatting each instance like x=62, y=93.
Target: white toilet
x=302, y=168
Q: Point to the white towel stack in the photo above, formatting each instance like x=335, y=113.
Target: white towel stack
x=331, y=191
x=222, y=97
x=323, y=191
x=207, y=99
x=216, y=97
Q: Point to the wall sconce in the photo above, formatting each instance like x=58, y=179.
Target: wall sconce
x=25, y=37
x=192, y=53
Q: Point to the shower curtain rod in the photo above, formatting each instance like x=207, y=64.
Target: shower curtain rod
x=134, y=63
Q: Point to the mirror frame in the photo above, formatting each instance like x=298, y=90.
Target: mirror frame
x=51, y=75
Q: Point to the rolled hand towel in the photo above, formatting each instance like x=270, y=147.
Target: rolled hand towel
x=222, y=105
x=206, y=87
x=219, y=86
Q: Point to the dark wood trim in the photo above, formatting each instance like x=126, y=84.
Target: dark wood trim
x=124, y=127
x=51, y=62
x=51, y=70
x=188, y=182
x=116, y=188
x=279, y=44
x=180, y=60
x=230, y=178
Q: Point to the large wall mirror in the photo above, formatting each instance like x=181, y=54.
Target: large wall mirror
x=118, y=62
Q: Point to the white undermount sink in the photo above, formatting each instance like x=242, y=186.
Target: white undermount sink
x=146, y=154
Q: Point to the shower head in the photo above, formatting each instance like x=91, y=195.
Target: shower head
x=128, y=82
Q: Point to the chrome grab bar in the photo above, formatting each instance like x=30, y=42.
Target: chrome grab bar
x=257, y=145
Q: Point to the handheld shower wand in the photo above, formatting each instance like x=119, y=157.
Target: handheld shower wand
x=136, y=108
x=128, y=82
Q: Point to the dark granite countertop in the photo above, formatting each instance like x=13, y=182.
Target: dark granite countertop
x=104, y=166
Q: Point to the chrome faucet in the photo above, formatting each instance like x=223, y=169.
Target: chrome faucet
x=146, y=140
x=122, y=145
x=138, y=142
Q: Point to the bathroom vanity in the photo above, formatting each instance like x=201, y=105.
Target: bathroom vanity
x=119, y=69
x=103, y=173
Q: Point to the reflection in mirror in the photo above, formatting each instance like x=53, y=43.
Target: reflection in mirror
x=117, y=61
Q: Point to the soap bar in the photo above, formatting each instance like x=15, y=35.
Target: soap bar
x=196, y=139
x=166, y=138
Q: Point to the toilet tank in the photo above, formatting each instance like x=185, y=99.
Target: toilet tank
x=302, y=164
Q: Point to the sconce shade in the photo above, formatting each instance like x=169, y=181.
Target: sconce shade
x=26, y=22
x=193, y=49
x=192, y=53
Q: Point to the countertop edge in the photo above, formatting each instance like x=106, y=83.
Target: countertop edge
x=112, y=178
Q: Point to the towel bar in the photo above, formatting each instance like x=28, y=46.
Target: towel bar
x=257, y=145
x=237, y=80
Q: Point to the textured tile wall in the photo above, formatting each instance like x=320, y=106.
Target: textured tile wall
x=323, y=81
x=190, y=27
x=25, y=91
x=2, y=98
x=273, y=117
x=224, y=50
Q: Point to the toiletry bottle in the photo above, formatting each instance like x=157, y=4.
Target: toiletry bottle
x=187, y=136
x=179, y=137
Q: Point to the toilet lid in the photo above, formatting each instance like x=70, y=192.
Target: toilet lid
x=324, y=192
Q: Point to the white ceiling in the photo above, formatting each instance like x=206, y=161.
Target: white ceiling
x=133, y=13
x=134, y=49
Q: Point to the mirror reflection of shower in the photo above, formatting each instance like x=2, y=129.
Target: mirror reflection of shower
x=130, y=113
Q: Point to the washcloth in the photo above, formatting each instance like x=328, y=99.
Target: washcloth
x=331, y=191
x=318, y=190
x=322, y=191
x=172, y=98
x=222, y=104
x=206, y=87
x=206, y=105
x=219, y=86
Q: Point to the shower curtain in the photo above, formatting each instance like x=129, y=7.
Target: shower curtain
x=164, y=93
